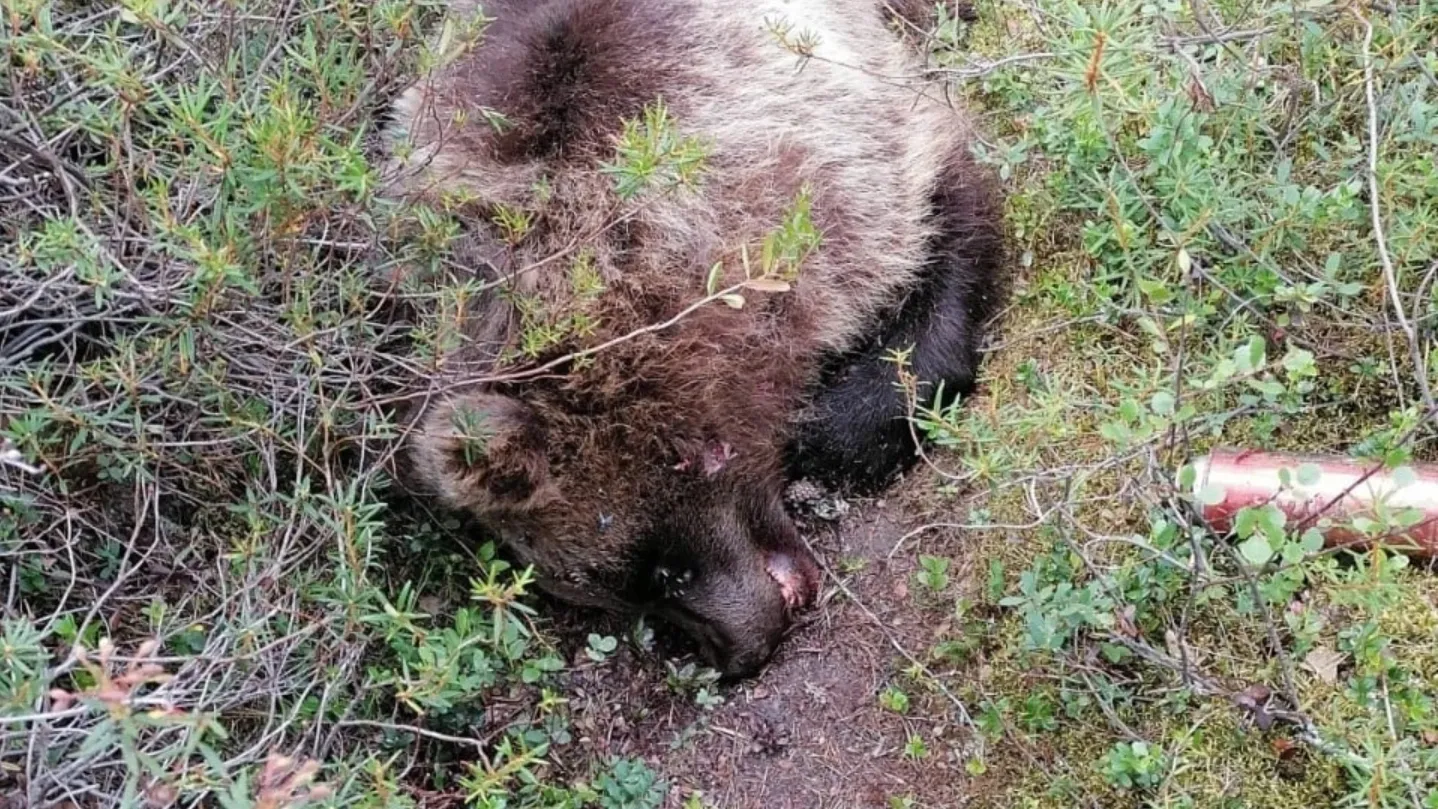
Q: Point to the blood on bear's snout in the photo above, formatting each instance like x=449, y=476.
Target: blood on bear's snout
x=743, y=570
x=798, y=578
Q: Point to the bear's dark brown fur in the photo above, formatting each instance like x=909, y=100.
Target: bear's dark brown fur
x=648, y=475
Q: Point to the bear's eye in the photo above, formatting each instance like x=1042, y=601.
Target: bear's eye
x=672, y=581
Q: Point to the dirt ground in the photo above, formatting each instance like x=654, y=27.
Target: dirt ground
x=809, y=731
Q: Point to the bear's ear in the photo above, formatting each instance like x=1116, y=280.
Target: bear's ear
x=482, y=453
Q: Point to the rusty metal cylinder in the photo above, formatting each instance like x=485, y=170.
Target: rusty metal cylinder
x=1345, y=489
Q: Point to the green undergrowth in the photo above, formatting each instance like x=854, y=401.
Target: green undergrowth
x=1191, y=207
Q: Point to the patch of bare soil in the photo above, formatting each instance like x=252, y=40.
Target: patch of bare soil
x=809, y=731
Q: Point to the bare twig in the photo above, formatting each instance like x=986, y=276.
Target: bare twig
x=983, y=68
x=1174, y=43
x=12, y=457
x=1375, y=207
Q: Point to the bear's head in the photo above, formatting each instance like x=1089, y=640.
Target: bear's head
x=622, y=515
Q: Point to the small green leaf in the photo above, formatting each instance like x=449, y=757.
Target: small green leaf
x=1156, y=291
x=1408, y=517
x=1245, y=522
x=1114, y=653
x=996, y=579
x=1162, y=403
x=1186, y=476
x=1129, y=409
x=894, y=700
x=1256, y=550
x=1257, y=352
x=602, y=644
x=1250, y=357
x=1272, y=519
x=1404, y=476
x=1308, y=474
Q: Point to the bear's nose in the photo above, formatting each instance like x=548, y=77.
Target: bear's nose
x=736, y=655
x=748, y=661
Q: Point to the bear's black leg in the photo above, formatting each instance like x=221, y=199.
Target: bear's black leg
x=855, y=435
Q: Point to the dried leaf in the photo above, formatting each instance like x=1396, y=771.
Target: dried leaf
x=1199, y=95
x=147, y=649
x=1324, y=663
x=1253, y=696
x=767, y=285
x=716, y=273
x=733, y=301
x=1124, y=621
x=1262, y=719
x=1172, y=644
x=1254, y=699
x=61, y=700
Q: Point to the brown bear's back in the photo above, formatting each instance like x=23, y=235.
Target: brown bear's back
x=852, y=124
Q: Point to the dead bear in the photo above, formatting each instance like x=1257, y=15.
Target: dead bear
x=804, y=150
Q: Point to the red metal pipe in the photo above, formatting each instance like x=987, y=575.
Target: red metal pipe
x=1345, y=488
